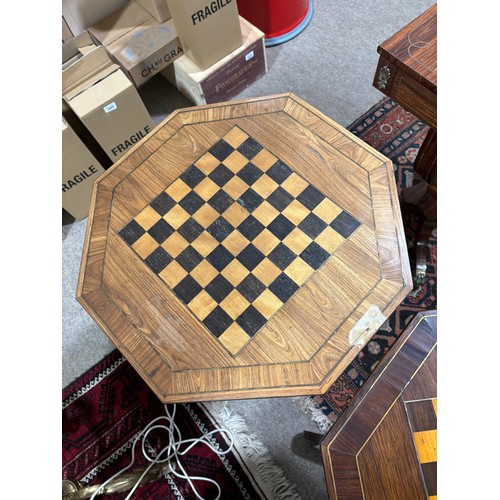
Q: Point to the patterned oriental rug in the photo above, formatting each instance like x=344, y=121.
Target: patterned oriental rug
x=107, y=408
x=398, y=135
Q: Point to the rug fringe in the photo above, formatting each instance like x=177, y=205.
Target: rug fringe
x=275, y=483
x=309, y=407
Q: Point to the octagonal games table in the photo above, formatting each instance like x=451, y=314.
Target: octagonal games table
x=244, y=249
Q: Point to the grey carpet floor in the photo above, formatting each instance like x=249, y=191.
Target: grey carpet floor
x=331, y=65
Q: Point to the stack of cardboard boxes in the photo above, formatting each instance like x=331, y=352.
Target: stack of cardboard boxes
x=101, y=108
x=223, y=53
x=203, y=48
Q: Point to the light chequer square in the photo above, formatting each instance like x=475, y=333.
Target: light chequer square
x=206, y=188
x=266, y=242
x=178, y=189
x=265, y=213
x=176, y=217
x=299, y=271
x=234, y=304
x=145, y=245
x=204, y=273
x=296, y=212
x=329, y=239
x=234, y=338
x=235, y=214
x=426, y=444
x=207, y=163
x=327, y=210
x=174, y=244
x=297, y=241
x=205, y=215
x=235, y=137
x=264, y=160
x=202, y=305
x=235, y=162
x=235, y=242
x=267, y=303
x=205, y=243
x=264, y=186
x=235, y=187
x=173, y=274
x=148, y=218
x=235, y=272
x=295, y=184
x=267, y=272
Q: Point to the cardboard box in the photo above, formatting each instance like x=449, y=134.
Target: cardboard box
x=157, y=8
x=85, y=136
x=103, y=98
x=80, y=169
x=208, y=30
x=140, y=44
x=67, y=34
x=228, y=77
x=80, y=14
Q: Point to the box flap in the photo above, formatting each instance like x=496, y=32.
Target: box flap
x=84, y=67
x=101, y=93
x=157, y=8
x=70, y=48
x=120, y=23
x=85, y=84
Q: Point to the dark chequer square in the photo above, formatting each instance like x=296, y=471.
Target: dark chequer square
x=191, y=202
x=163, y=203
x=220, y=201
x=219, y=288
x=251, y=227
x=224, y=227
x=161, y=231
x=221, y=175
x=250, y=200
x=282, y=256
x=251, y=320
x=189, y=259
x=280, y=199
x=345, y=224
x=132, y=232
x=250, y=173
x=251, y=287
x=190, y=230
x=220, y=257
x=192, y=176
x=158, y=260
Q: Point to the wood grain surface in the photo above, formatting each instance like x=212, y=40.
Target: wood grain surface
x=230, y=253
x=384, y=445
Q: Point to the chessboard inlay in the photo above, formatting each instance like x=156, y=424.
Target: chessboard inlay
x=422, y=416
x=236, y=235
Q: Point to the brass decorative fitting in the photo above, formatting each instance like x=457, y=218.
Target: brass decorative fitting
x=383, y=77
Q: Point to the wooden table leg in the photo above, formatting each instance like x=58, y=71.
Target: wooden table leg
x=419, y=208
x=426, y=162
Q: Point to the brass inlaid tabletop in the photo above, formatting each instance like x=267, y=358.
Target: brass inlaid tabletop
x=232, y=251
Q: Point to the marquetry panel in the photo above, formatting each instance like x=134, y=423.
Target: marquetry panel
x=240, y=244
x=385, y=444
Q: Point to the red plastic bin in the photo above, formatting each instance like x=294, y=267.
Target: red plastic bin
x=280, y=20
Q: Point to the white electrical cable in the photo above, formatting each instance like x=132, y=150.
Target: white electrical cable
x=173, y=451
